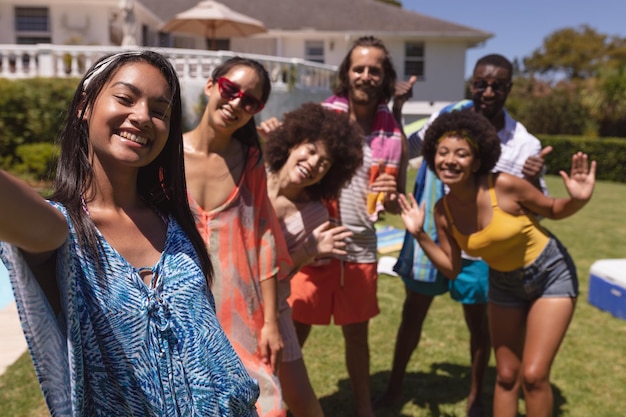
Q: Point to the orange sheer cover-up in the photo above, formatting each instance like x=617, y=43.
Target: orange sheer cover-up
x=246, y=246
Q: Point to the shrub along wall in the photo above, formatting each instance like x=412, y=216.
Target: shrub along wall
x=32, y=112
x=610, y=153
x=31, y=115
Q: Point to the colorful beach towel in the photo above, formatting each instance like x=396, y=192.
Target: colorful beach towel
x=412, y=261
x=388, y=239
x=386, y=144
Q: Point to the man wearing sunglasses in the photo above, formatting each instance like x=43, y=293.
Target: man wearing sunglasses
x=522, y=156
x=490, y=86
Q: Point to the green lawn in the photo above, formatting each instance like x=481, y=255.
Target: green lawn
x=589, y=375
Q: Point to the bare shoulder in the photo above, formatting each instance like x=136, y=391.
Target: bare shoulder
x=507, y=183
x=517, y=194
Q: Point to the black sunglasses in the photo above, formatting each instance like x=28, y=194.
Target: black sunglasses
x=230, y=91
x=497, y=87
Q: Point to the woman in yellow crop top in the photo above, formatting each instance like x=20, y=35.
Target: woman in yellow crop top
x=532, y=279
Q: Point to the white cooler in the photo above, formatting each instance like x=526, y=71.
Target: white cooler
x=607, y=286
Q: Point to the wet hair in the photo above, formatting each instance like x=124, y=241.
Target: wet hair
x=496, y=60
x=389, y=81
x=247, y=134
x=310, y=123
x=161, y=183
x=483, y=138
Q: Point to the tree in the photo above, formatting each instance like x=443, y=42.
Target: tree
x=577, y=53
x=605, y=100
x=548, y=109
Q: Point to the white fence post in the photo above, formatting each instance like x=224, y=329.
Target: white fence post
x=45, y=62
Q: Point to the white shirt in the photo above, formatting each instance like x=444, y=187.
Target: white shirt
x=516, y=143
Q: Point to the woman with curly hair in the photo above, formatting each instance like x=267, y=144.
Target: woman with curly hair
x=309, y=158
x=532, y=279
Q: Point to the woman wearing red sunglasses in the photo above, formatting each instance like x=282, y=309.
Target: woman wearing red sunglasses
x=227, y=188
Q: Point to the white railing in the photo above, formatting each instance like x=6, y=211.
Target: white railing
x=63, y=61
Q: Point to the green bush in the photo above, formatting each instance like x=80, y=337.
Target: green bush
x=557, y=113
x=31, y=111
x=37, y=161
x=13, y=113
x=53, y=95
x=610, y=153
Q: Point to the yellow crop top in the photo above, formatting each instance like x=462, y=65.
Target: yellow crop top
x=508, y=242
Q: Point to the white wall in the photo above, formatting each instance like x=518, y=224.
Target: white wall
x=6, y=23
x=444, y=73
x=80, y=24
x=84, y=22
x=76, y=21
x=68, y=20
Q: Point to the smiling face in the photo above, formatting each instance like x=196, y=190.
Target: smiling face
x=455, y=160
x=307, y=163
x=490, y=87
x=366, y=75
x=230, y=114
x=130, y=119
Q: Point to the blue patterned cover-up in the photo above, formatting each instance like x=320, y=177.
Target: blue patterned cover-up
x=122, y=348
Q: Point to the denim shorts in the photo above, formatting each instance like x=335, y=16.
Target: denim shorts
x=552, y=274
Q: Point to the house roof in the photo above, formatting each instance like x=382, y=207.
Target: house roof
x=356, y=16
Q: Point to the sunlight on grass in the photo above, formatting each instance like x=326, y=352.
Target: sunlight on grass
x=589, y=374
x=20, y=395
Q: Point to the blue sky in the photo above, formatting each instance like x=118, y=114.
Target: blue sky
x=519, y=27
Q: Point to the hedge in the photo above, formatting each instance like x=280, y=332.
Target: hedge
x=610, y=154
x=32, y=111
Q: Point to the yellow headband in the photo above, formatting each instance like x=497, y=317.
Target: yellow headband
x=462, y=134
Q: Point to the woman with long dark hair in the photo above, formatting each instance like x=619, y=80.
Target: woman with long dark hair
x=228, y=193
x=111, y=277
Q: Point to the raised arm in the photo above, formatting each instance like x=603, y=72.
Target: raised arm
x=402, y=93
x=579, y=185
x=26, y=219
x=445, y=256
x=533, y=168
x=267, y=126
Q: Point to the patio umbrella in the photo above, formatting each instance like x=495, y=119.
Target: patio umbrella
x=213, y=20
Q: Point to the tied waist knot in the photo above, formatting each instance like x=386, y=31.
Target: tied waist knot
x=177, y=399
x=154, y=304
x=158, y=311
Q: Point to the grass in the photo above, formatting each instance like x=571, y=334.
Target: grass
x=20, y=395
x=588, y=376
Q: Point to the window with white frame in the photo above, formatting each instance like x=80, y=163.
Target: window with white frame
x=314, y=51
x=414, y=59
x=32, y=25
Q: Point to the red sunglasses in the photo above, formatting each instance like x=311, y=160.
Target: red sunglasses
x=230, y=91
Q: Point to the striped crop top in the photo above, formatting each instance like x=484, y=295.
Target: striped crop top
x=508, y=242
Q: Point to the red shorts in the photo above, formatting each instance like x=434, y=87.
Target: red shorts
x=319, y=293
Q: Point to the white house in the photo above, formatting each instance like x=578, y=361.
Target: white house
x=315, y=30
